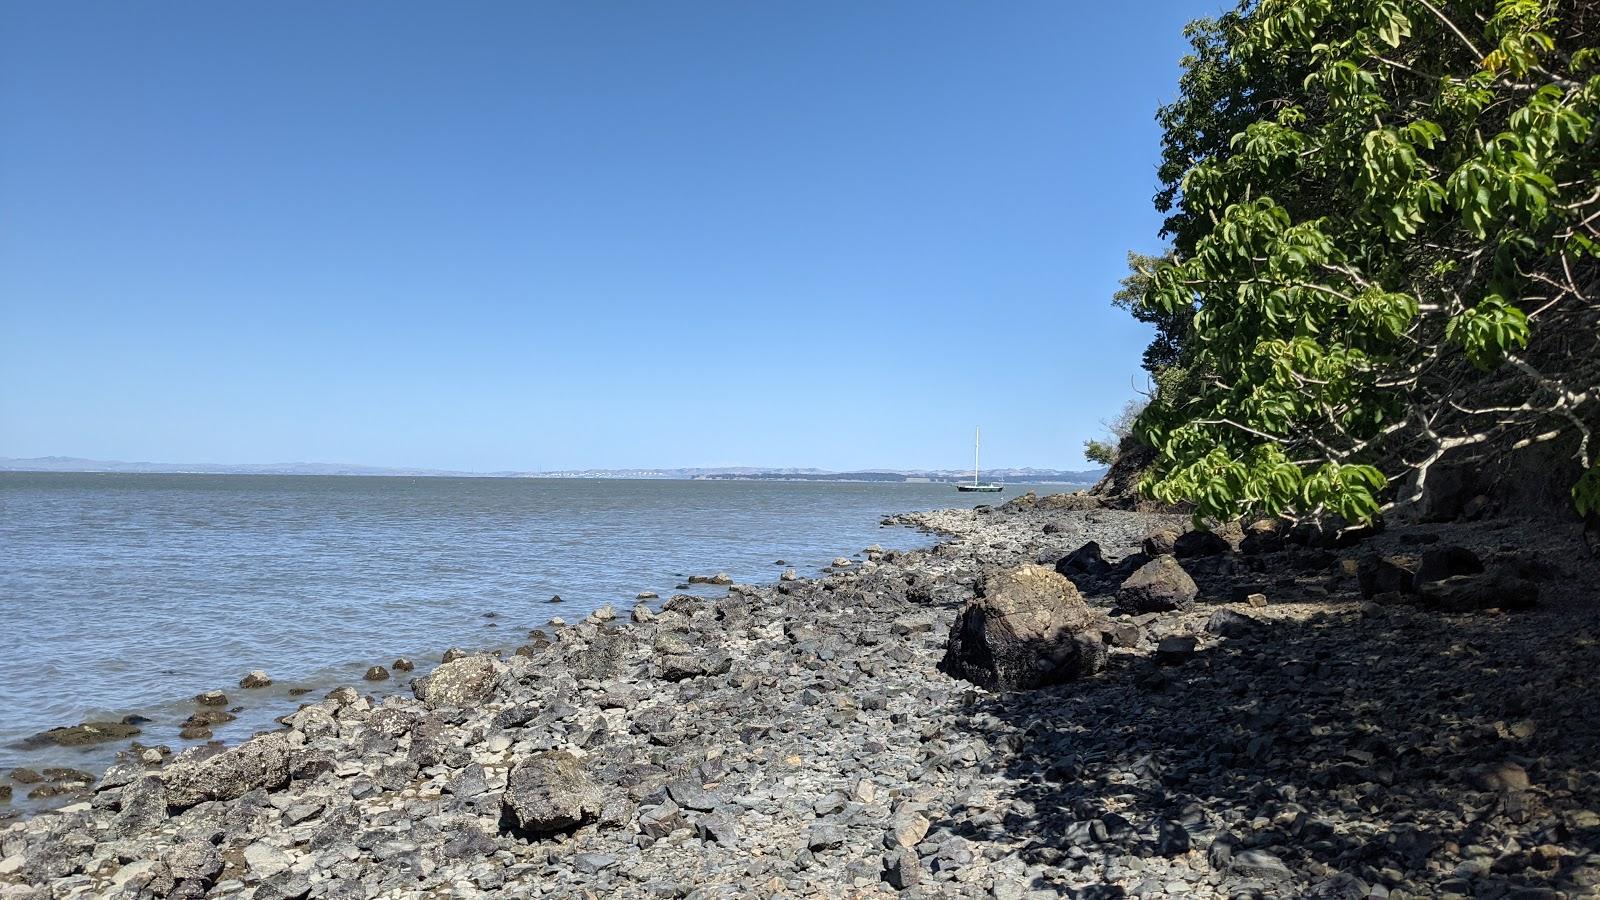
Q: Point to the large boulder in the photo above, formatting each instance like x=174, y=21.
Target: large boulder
x=1160, y=585
x=467, y=681
x=261, y=762
x=1029, y=628
x=549, y=793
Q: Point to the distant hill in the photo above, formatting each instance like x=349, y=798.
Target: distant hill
x=724, y=473
x=76, y=464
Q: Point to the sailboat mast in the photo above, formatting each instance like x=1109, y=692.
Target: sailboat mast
x=977, y=434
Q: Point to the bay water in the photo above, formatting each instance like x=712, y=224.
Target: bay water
x=127, y=594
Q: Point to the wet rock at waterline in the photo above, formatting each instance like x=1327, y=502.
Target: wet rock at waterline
x=83, y=734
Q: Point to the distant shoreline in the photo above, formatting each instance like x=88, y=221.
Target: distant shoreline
x=74, y=465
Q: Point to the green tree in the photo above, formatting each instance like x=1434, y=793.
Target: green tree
x=1099, y=452
x=1384, y=219
x=1172, y=338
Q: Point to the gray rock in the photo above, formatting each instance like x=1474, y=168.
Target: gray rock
x=465, y=681
x=902, y=869
x=717, y=828
x=1160, y=585
x=143, y=804
x=1259, y=864
x=549, y=793
x=824, y=836
x=677, y=667
x=592, y=863
x=259, y=763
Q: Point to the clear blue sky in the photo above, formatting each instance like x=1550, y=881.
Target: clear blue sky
x=549, y=235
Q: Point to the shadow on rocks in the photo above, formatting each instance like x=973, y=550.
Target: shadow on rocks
x=1392, y=753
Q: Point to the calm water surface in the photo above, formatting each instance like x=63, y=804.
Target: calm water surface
x=130, y=593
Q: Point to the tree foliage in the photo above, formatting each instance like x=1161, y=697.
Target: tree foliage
x=1384, y=217
x=1170, y=346
x=1099, y=452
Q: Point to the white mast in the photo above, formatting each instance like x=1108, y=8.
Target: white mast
x=977, y=432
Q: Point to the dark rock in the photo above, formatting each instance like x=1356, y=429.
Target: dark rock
x=1161, y=585
x=690, y=794
x=255, y=679
x=1175, y=650
x=1259, y=864
x=1386, y=574
x=549, y=793
x=717, y=828
x=1227, y=623
x=211, y=698
x=1161, y=543
x=1199, y=543
x=1439, y=563
x=1086, y=560
x=1491, y=590
x=1262, y=536
x=1030, y=628
x=467, y=841
x=82, y=735
x=376, y=673
x=403, y=665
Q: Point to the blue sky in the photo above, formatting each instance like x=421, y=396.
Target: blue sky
x=550, y=235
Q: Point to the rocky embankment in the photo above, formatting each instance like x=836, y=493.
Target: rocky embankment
x=1257, y=714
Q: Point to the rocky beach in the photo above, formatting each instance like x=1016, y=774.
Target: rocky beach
x=1058, y=699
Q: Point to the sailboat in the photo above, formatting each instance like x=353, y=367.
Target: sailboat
x=976, y=485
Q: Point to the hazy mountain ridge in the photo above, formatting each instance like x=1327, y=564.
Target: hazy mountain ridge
x=78, y=464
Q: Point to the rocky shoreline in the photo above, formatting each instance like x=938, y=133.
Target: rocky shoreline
x=1322, y=715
